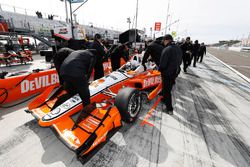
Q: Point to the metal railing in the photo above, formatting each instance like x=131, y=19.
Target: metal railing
x=28, y=12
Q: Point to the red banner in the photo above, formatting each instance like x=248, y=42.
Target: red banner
x=3, y=27
x=157, y=26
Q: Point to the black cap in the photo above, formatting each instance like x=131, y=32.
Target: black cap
x=97, y=36
x=63, y=53
x=168, y=37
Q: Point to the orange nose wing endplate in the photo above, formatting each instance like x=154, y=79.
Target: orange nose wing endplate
x=149, y=114
x=155, y=92
x=41, y=98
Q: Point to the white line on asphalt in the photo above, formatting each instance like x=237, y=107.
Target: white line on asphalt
x=243, y=55
x=237, y=72
x=233, y=65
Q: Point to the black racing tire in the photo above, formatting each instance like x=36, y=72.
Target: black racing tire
x=128, y=101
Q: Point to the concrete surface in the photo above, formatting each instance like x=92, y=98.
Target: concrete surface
x=38, y=63
x=210, y=127
x=238, y=60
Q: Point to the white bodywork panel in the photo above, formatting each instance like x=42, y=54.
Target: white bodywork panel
x=95, y=87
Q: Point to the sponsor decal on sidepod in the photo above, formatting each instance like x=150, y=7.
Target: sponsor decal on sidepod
x=152, y=81
x=39, y=82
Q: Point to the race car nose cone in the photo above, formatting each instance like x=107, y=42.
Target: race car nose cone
x=55, y=111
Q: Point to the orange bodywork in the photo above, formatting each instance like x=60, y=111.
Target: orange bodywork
x=3, y=27
x=17, y=87
x=94, y=128
x=22, y=86
x=77, y=137
x=145, y=80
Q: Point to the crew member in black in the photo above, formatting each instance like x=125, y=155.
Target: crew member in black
x=140, y=49
x=101, y=56
x=170, y=62
x=195, y=53
x=153, y=50
x=76, y=70
x=120, y=51
x=187, y=52
x=202, y=51
x=58, y=59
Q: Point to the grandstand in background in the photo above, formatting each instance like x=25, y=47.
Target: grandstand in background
x=24, y=23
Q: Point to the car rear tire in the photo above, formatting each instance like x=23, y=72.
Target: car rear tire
x=128, y=101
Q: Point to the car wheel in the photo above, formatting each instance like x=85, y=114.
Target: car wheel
x=128, y=101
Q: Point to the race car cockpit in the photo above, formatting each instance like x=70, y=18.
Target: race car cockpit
x=134, y=66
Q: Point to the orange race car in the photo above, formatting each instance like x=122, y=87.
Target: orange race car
x=115, y=97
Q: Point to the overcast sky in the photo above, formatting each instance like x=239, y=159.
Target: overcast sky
x=205, y=20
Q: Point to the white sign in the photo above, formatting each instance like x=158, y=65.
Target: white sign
x=76, y=1
x=152, y=81
x=39, y=82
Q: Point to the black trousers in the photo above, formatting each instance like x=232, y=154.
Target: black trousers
x=99, y=72
x=167, y=85
x=198, y=57
x=201, y=57
x=115, y=63
x=186, y=62
x=80, y=85
x=195, y=59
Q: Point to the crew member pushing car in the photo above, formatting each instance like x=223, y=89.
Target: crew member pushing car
x=58, y=59
x=76, y=70
x=101, y=56
x=120, y=51
x=154, y=50
x=170, y=62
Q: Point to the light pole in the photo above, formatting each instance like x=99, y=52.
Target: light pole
x=167, y=16
x=176, y=21
x=151, y=32
x=144, y=33
x=66, y=11
x=128, y=21
x=71, y=20
x=75, y=18
x=136, y=16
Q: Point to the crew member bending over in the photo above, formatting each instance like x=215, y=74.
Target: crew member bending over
x=121, y=51
x=153, y=50
x=58, y=59
x=76, y=70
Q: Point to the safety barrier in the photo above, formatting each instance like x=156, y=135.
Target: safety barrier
x=22, y=86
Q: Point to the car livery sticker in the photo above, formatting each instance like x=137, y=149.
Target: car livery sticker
x=152, y=81
x=95, y=87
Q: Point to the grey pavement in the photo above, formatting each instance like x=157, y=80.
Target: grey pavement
x=238, y=60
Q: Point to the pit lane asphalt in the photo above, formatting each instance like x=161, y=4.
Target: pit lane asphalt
x=238, y=60
x=210, y=127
